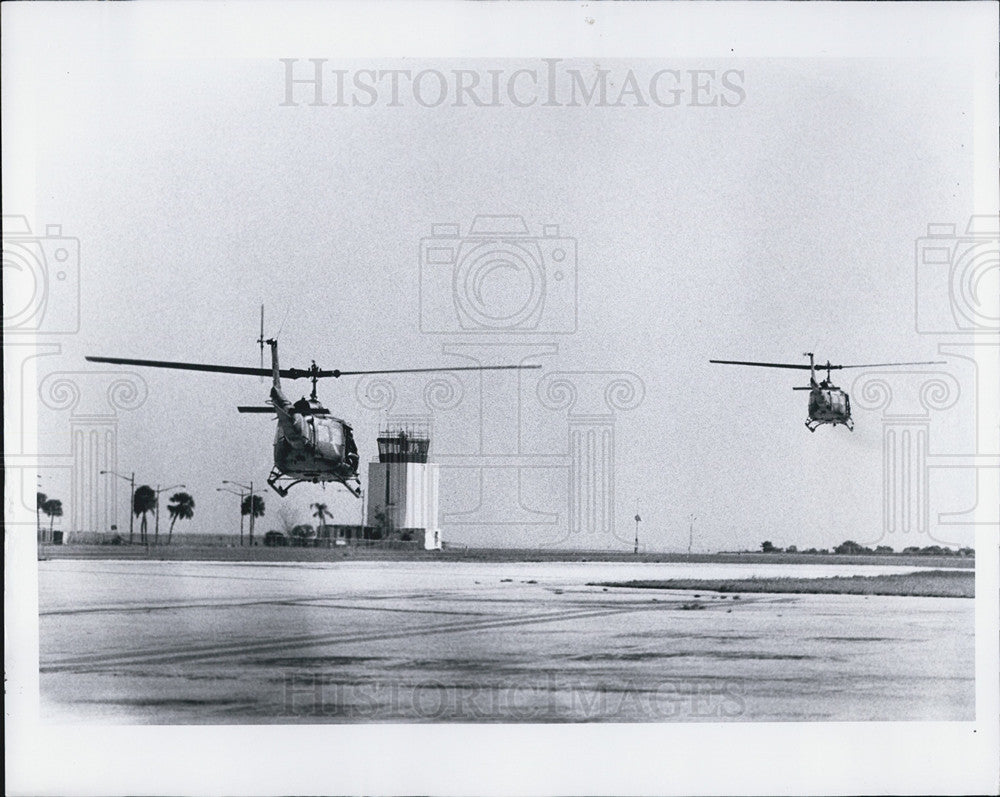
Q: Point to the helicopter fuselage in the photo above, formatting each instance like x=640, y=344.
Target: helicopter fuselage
x=828, y=404
x=310, y=445
x=319, y=449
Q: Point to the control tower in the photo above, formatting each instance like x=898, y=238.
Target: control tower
x=403, y=487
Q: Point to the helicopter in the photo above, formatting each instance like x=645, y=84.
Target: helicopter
x=310, y=444
x=827, y=402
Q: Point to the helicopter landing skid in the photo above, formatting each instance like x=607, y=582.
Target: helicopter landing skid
x=282, y=490
x=355, y=491
x=274, y=481
x=812, y=425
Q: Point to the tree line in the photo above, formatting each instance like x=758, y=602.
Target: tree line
x=144, y=503
x=853, y=548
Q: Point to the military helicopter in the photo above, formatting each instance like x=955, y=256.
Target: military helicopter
x=827, y=402
x=310, y=445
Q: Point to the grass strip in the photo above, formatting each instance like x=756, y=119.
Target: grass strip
x=924, y=584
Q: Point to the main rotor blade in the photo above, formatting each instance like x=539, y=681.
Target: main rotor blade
x=880, y=365
x=295, y=373
x=824, y=366
x=288, y=373
x=796, y=366
x=337, y=374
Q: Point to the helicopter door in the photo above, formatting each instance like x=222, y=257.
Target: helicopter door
x=329, y=433
x=837, y=401
x=334, y=434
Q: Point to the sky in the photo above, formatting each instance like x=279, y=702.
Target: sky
x=730, y=206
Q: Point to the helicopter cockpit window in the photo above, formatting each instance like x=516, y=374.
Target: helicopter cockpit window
x=331, y=433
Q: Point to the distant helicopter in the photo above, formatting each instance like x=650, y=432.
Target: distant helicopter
x=827, y=402
x=310, y=445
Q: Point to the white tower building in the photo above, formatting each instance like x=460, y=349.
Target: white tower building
x=403, y=488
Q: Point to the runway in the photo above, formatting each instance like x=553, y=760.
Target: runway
x=203, y=642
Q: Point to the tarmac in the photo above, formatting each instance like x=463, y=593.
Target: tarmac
x=169, y=642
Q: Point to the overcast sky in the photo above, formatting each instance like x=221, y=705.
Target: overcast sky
x=732, y=207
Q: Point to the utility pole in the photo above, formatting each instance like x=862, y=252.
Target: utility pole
x=691, y=520
x=637, y=519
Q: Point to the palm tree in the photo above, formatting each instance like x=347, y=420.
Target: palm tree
x=143, y=502
x=181, y=507
x=258, y=511
x=52, y=508
x=321, y=513
x=40, y=500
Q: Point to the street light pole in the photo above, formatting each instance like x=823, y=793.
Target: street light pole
x=252, y=513
x=250, y=507
x=361, y=528
x=242, y=495
x=131, y=500
x=38, y=509
x=131, y=508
